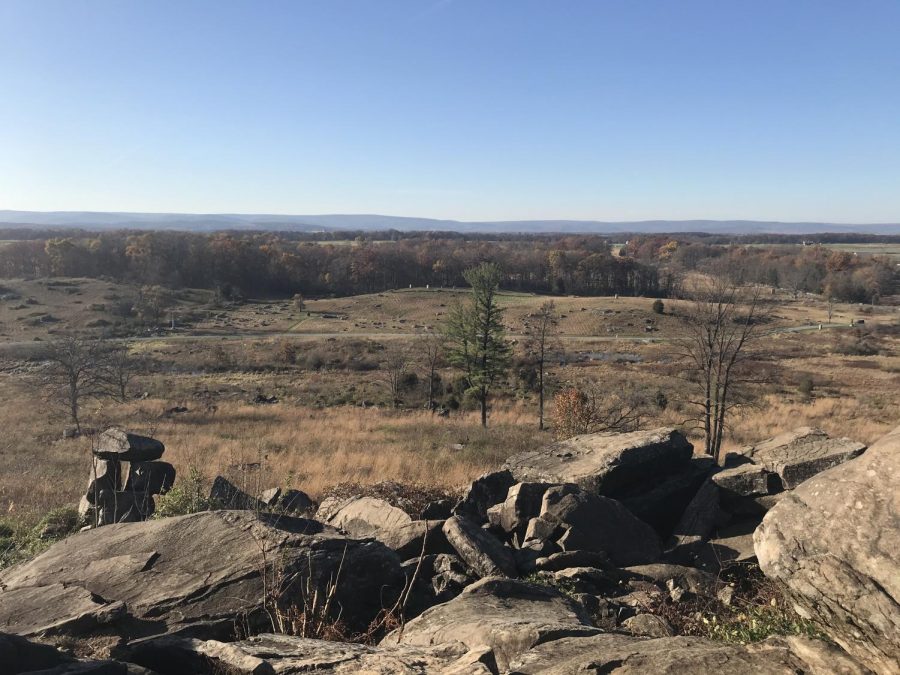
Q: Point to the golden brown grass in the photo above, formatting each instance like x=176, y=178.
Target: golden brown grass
x=313, y=449
x=837, y=416
x=259, y=446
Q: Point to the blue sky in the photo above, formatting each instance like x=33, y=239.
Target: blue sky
x=469, y=109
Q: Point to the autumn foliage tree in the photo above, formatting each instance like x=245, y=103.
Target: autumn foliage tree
x=577, y=411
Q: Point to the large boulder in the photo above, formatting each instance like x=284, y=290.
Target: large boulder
x=294, y=501
x=366, y=516
x=415, y=538
x=484, y=555
x=117, y=444
x=835, y=542
x=373, y=517
x=505, y=615
x=627, y=655
x=484, y=492
x=800, y=454
x=202, y=572
x=522, y=503
x=593, y=523
x=606, y=464
x=223, y=494
x=18, y=655
x=152, y=478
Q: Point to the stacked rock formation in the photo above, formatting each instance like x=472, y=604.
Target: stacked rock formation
x=125, y=476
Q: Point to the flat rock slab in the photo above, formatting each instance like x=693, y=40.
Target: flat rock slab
x=626, y=655
x=835, y=542
x=606, y=464
x=507, y=616
x=202, y=570
x=416, y=537
x=479, y=550
x=55, y=608
x=732, y=544
x=747, y=480
x=270, y=654
x=365, y=516
x=125, y=447
x=800, y=454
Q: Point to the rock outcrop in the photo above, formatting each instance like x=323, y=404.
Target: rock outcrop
x=584, y=521
x=835, y=542
x=199, y=573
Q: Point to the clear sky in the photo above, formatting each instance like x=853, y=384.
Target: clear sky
x=468, y=109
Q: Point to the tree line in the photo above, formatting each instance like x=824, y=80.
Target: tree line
x=275, y=264
x=838, y=275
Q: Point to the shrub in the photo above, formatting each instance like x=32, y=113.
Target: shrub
x=287, y=353
x=189, y=495
x=658, y=306
x=806, y=386
x=758, y=609
x=576, y=412
x=315, y=359
x=662, y=401
x=19, y=542
x=572, y=413
x=409, y=381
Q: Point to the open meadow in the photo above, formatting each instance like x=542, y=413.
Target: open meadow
x=325, y=364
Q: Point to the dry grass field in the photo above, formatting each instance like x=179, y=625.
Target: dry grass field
x=331, y=423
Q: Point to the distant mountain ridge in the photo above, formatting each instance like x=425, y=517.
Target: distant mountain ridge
x=101, y=220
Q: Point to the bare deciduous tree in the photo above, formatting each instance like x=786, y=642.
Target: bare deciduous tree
x=542, y=339
x=73, y=374
x=431, y=346
x=717, y=353
x=118, y=367
x=393, y=373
